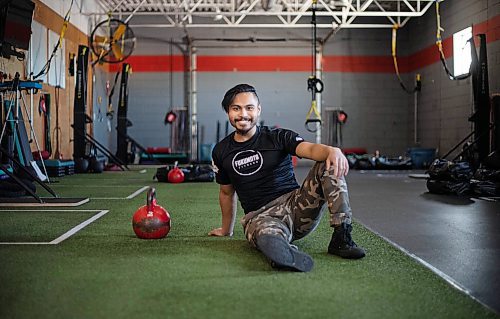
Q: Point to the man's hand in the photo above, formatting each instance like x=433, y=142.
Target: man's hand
x=332, y=156
x=218, y=232
x=338, y=161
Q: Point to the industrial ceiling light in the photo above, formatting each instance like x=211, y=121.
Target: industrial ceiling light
x=218, y=15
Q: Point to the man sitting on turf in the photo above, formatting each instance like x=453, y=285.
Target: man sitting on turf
x=255, y=163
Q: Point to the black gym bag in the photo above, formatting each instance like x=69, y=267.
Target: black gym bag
x=486, y=182
x=192, y=173
x=447, y=177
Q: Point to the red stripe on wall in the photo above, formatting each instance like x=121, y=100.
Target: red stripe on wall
x=490, y=27
x=349, y=64
x=253, y=63
x=430, y=54
x=152, y=63
x=362, y=64
x=346, y=64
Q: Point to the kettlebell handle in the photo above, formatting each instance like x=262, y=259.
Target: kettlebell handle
x=151, y=198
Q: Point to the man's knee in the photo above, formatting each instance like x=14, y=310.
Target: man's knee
x=266, y=226
x=306, y=225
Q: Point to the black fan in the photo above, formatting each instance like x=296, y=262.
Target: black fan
x=112, y=41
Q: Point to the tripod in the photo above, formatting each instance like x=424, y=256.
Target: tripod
x=14, y=130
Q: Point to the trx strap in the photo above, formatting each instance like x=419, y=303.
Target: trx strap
x=110, y=91
x=439, y=44
x=314, y=84
x=170, y=117
x=46, y=121
x=57, y=129
x=418, y=84
x=46, y=67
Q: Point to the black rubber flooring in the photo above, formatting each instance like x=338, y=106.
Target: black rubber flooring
x=456, y=237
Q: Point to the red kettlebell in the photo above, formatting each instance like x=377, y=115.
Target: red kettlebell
x=151, y=221
x=175, y=175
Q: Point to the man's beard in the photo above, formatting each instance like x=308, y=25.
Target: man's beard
x=243, y=132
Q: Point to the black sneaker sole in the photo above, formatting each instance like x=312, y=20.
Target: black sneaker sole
x=282, y=255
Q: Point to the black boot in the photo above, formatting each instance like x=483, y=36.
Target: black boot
x=342, y=244
x=282, y=255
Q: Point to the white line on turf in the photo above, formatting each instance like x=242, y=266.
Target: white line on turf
x=77, y=228
x=91, y=186
x=67, y=234
x=134, y=194
x=51, y=210
x=137, y=192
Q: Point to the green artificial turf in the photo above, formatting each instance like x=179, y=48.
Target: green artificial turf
x=35, y=226
x=106, y=191
x=104, y=271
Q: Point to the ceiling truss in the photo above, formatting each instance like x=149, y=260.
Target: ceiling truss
x=265, y=13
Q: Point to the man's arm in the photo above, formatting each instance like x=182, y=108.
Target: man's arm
x=227, y=201
x=332, y=156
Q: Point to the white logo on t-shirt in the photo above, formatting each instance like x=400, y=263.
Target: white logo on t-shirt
x=247, y=163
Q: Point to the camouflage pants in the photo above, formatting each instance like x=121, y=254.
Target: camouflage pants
x=296, y=214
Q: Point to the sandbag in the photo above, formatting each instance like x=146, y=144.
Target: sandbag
x=162, y=174
x=487, y=175
x=486, y=182
x=393, y=163
x=449, y=187
x=199, y=173
x=486, y=188
x=447, y=177
x=445, y=170
x=363, y=162
x=192, y=173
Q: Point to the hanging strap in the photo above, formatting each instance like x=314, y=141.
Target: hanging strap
x=57, y=129
x=46, y=117
x=109, y=111
x=314, y=84
x=309, y=120
x=63, y=32
x=418, y=84
x=46, y=67
x=439, y=44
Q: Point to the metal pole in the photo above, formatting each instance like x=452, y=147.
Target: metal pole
x=318, y=73
x=415, y=117
x=30, y=53
x=193, y=104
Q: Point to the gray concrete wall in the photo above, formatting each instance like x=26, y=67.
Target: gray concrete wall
x=283, y=97
x=444, y=105
x=380, y=112
x=377, y=107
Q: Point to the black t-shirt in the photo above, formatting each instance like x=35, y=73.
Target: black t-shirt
x=259, y=169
